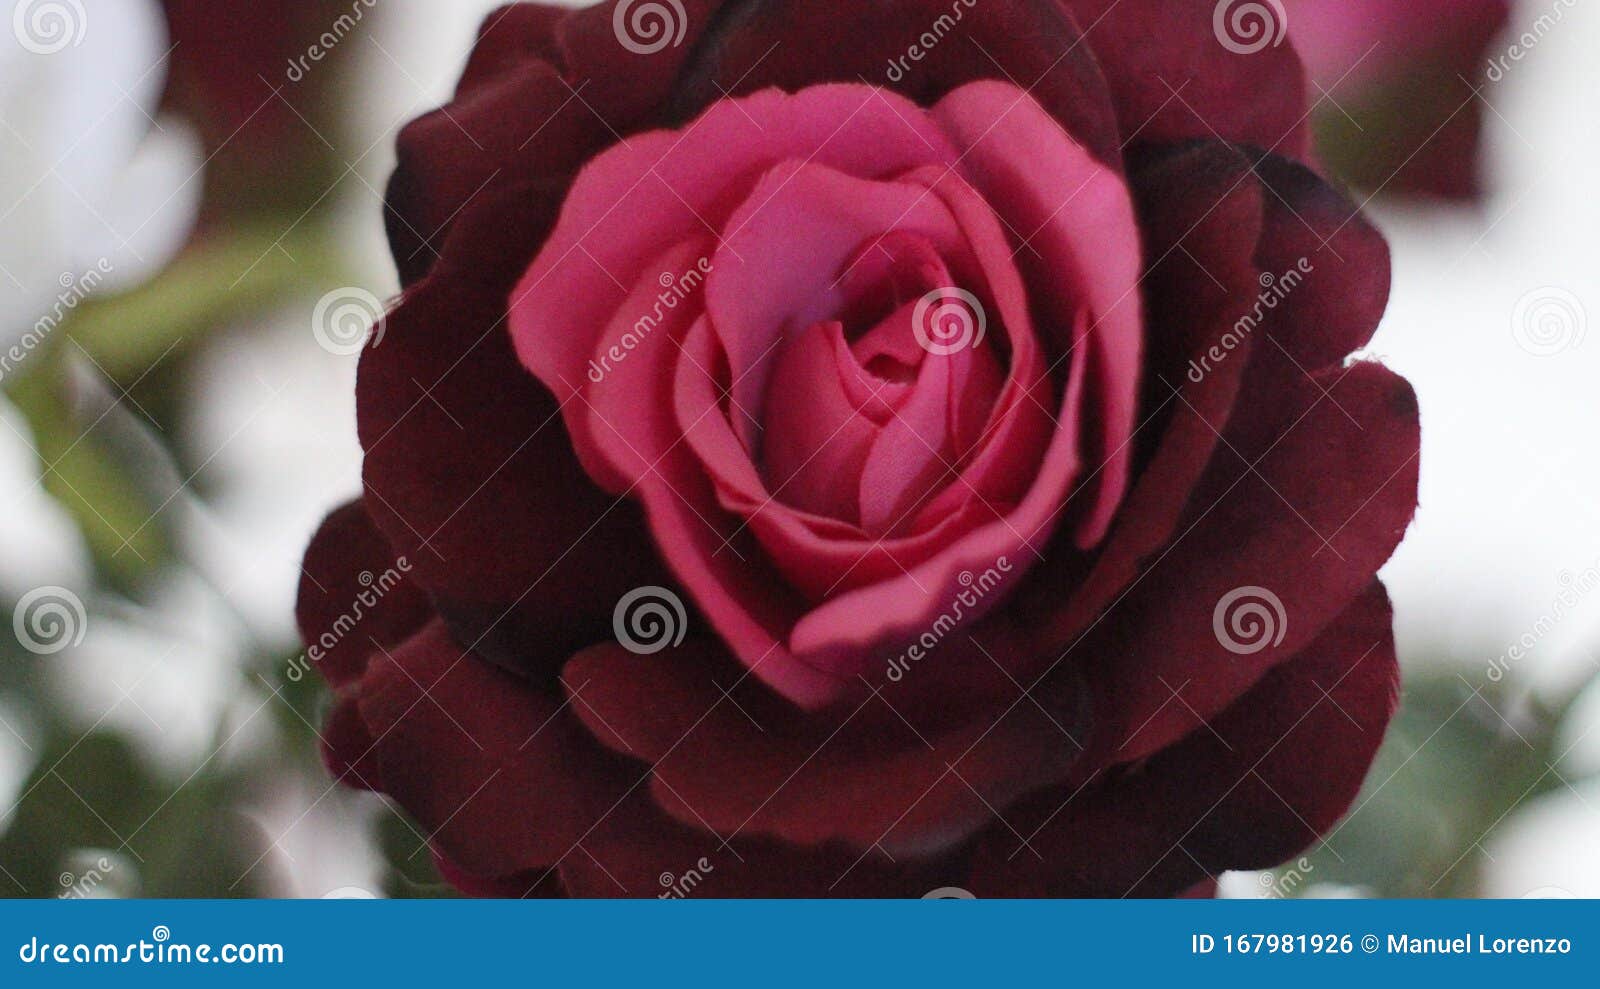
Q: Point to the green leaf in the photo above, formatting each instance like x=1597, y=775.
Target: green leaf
x=215, y=284
x=112, y=510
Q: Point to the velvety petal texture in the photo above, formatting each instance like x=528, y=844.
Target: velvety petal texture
x=819, y=451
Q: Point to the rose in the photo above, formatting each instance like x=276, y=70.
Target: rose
x=660, y=340
x=1398, y=87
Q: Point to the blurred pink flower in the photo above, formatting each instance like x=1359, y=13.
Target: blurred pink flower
x=1399, y=82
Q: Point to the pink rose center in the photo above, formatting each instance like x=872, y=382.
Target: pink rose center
x=845, y=350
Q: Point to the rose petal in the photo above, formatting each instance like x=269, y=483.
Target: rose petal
x=635, y=200
x=1036, y=43
x=1264, y=779
x=522, y=127
x=1172, y=77
x=1084, y=238
x=1201, y=213
x=1308, y=525
x=346, y=747
x=495, y=772
x=469, y=472
x=339, y=611
x=884, y=770
x=638, y=851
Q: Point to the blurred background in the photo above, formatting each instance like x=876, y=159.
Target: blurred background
x=191, y=255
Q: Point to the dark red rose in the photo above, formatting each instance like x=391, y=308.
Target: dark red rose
x=809, y=464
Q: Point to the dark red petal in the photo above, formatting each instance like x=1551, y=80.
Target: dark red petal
x=469, y=470
x=636, y=851
x=545, y=89
x=1201, y=214
x=1335, y=308
x=497, y=774
x=521, y=126
x=509, y=38
x=538, y=884
x=1310, y=523
x=354, y=591
x=622, y=82
x=347, y=749
x=1265, y=779
x=1032, y=42
x=1205, y=889
x=888, y=770
x=1173, y=79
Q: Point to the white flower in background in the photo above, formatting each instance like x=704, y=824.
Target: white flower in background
x=95, y=193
